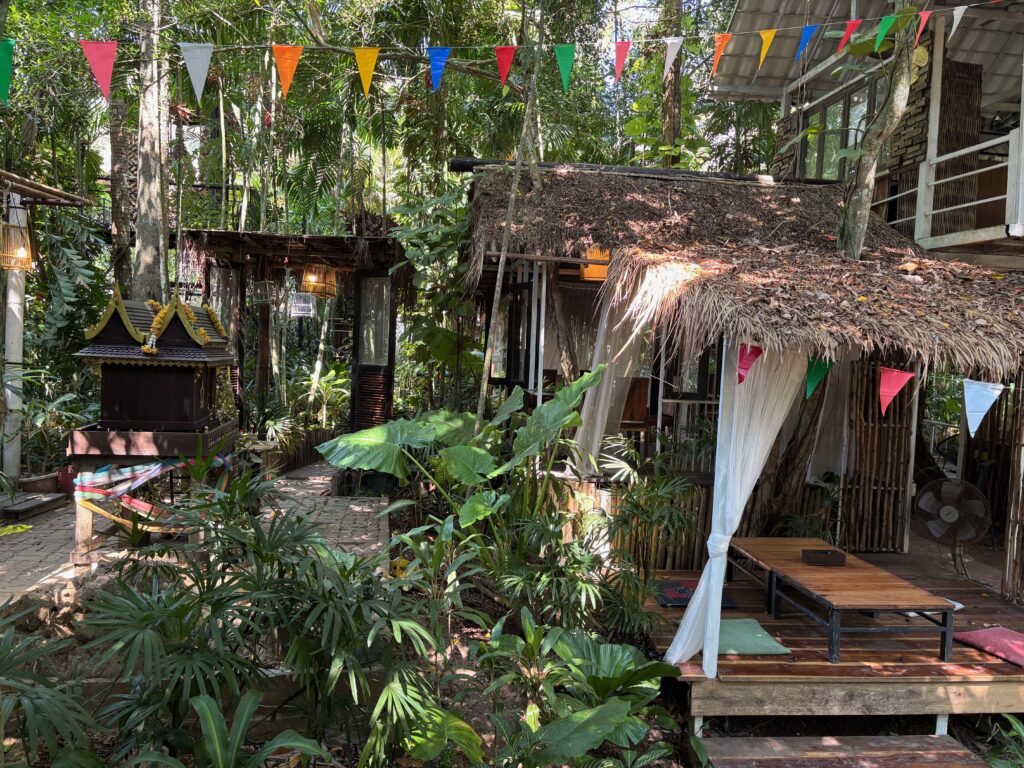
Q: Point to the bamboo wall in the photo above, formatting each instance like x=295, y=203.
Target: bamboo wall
x=1013, y=568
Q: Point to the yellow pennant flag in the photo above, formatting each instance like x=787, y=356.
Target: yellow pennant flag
x=767, y=36
x=366, y=60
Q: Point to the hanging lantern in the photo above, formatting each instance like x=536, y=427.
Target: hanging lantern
x=302, y=305
x=264, y=292
x=15, y=248
x=320, y=280
x=594, y=269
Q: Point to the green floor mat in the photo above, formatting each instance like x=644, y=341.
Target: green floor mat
x=745, y=637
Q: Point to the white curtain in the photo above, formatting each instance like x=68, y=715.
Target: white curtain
x=619, y=345
x=750, y=416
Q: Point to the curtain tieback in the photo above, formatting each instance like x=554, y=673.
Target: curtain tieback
x=718, y=544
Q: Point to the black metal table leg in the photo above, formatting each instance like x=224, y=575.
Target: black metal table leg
x=946, y=647
x=771, y=601
x=833, y=635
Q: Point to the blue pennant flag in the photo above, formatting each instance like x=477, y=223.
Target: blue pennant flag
x=438, y=58
x=805, y=38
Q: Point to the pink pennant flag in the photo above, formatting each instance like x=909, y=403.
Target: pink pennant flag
x=621, y=52
x=851, y=27
x=100, y=54
x=504, y=54
x=890, y=384
x=920, y=27
x=748, y=356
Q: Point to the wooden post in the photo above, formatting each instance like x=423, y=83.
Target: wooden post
x=263, y=339
x=908, y=510
x=81, y=554
x=14, y=342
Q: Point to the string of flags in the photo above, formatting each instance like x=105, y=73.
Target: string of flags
x=196, y=56
x=978, y=396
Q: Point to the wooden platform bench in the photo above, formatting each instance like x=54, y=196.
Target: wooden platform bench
x=840, y=752
x=824, y=594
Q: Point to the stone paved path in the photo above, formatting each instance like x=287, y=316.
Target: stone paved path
x=38, y=558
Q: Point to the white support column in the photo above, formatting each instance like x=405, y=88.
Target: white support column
x=661, y=392
x=14, y=342
x=941, y=725
x=542, y=331
x=926, y=172
x=1015, y=176
x=716, y=565
x=531, y=376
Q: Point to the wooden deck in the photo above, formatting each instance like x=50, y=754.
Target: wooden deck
x=846, y=752
x=879, y=674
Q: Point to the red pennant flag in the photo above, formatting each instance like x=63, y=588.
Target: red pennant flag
x=851, y=27
x=100, y=55
x=621, y=52
x=890, y=383
x=920, y=28
x=748, y=356
x=721, y=40
x=504, y=54
x=287, y=59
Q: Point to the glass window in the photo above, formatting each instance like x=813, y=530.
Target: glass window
x=833, y=141
x=375, y=321
x=811, y=149
x=858, y=117
x=500, y=334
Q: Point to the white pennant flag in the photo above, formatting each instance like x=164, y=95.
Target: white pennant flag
x=978, y=398
x=197, y=61
x=958, y=13
x=674, y=44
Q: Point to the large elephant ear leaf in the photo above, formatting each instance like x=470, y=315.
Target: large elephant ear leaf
x=513, y=404
x=574, y=736
x=450, y=428
x=481, y=505
x=435, y=729
x=379, y=448
x=548, y=420
x=468, y=464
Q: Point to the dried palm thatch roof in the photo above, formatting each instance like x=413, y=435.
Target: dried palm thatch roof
x=705, y=256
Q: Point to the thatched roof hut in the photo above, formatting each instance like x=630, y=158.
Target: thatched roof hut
x=702, y=256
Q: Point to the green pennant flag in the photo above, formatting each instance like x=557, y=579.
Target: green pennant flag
x=883, y=29
x=816, y=370
x=565, y=53
x=6, y=64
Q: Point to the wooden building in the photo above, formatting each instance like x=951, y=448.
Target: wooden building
x=950, y=177
x=249, y=263
x=692, y=268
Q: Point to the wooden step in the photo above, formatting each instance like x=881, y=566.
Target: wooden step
x=25, y=505
x=840, y=752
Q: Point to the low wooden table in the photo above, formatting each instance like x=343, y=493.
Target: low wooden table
x=857, y=587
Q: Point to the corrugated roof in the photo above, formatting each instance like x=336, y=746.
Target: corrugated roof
x=131, y=353
x=992, y=37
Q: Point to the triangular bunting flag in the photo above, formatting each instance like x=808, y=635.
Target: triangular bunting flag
x=504, y=54
x=721, y=40
x=564, y=54
x=767, y=36
x=805, y=37
x=287, y=59
x=978, y=398
x=6, y=66
x=621, y=52
x=851, y=27
x=366, y=61
x=816, y=370
x=100, y=55
x=438, y=58
x=748, y=356
x=883, y=29
x=958, y=13
x=925, y=15
x=672, y=46
x=891, y=381
x=197, y=61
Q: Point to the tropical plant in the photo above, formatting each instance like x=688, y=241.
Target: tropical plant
x=222, y=747
x=33, y=709
x=1009, y=751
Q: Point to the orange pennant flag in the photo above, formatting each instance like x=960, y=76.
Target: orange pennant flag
x=366, y=61
x=767, y=36
x=721, y=40
x=287, y=58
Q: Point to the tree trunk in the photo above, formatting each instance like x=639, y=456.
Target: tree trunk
x=122, y=196
x=150, y=235
x=861, y=185
x=671, y=96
